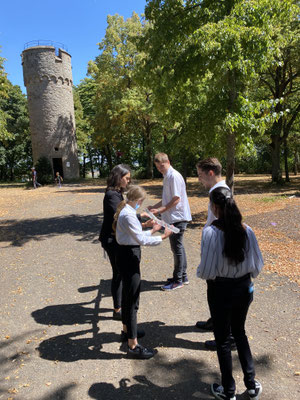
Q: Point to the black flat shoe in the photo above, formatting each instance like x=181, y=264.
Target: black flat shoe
x=205, y=325
x=117, y=315
x=140, y=333
x=140, y=352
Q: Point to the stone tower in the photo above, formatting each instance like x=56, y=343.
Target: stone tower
x=48, y=79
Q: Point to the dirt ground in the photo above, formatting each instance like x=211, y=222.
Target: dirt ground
x=58, y=339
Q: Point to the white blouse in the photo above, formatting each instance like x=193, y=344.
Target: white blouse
x=214, y=263
x=129, y=230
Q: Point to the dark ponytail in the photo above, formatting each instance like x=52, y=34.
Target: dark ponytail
x=230, y=221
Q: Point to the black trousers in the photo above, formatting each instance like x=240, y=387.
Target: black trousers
x=128, y=260
x=229, y=301
x=116, y=282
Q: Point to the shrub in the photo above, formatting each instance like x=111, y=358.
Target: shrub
x=44, y=170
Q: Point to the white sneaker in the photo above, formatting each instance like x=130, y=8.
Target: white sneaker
x=254, y=394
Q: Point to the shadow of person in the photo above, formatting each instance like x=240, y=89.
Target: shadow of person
x=187, y=385
x=68, y=314
x=163, y=335
x=192, y=388
x=68, y=348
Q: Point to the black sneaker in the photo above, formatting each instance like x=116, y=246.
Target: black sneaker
x=212, y=345
x=140, y=333
x=218, y=392
x=172, y=286
x=117, y=315
x=205, y=325
x=254, y=394
x=140, y=352
x=185, y=280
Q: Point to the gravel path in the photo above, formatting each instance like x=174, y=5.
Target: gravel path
x=58, y=339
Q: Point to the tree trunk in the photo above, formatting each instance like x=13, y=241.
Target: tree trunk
x=230, y=160
x=296, y=162
x=149, y=153
x=91, y=163
x=107, y=153
x=276, y=170
x=286, y=167
x=83, y=167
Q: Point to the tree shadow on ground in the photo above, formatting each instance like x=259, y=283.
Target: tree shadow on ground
x=83, y=190
x=12, y=357
x=18, y=233
x=60, y=394
x=250, y=185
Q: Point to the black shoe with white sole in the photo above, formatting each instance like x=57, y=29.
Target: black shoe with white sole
x=140, y=352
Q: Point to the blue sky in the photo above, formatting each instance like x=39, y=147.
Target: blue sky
x=79, y=24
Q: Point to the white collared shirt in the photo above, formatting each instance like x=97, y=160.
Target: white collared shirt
x=210, y=215
x=214, y=263
x=174, y=185
x=129, y=230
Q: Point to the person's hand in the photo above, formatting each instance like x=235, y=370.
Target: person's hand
x=166, y=234
x=143, y=214
x=154, y=210
x=148, y=224
x=156, y=227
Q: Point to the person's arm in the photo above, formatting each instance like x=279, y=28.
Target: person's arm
x=257, y=256
x=207, y=267
x=112, y=200
x=134, y=229
x=161, y=209
x=155, y=207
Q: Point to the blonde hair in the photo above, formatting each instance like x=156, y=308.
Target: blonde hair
x=134, y=193
x=161, y=158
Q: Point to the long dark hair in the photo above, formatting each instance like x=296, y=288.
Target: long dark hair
x=230, y=221
x=115, y=176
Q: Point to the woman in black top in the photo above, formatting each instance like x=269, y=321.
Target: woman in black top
x=117, y=182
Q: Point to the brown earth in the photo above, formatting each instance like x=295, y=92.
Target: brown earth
x=58, y=339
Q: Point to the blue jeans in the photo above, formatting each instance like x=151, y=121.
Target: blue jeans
x=176, y=242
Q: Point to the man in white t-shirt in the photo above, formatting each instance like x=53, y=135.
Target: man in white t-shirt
x=210, y=175
x=175, y=210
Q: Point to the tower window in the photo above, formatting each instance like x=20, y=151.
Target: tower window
x=55, y=148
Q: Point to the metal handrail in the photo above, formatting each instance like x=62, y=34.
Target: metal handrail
x=34, y=43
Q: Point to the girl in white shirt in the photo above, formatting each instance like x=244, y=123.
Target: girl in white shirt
x=130, y=237
x=230, y=256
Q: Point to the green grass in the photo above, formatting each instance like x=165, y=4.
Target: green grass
x=271, y=199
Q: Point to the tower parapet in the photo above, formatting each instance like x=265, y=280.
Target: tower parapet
x=48, y=79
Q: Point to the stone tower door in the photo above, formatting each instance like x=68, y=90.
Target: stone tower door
x=57, y=166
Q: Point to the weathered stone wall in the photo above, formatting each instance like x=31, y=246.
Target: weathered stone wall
x=48, y=80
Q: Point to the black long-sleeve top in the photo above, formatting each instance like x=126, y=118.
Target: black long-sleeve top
x=111, y=201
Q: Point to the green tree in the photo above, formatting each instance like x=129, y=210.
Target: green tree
x=126, y=126
x=218, y=50
x=15, y=147
x=4, y=85
x=280, y=83
x=44, y=170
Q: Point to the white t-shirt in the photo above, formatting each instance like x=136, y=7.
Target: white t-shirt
x=174, y=185
x=210, y=215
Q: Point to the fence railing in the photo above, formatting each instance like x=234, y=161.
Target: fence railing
x=57, y=45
